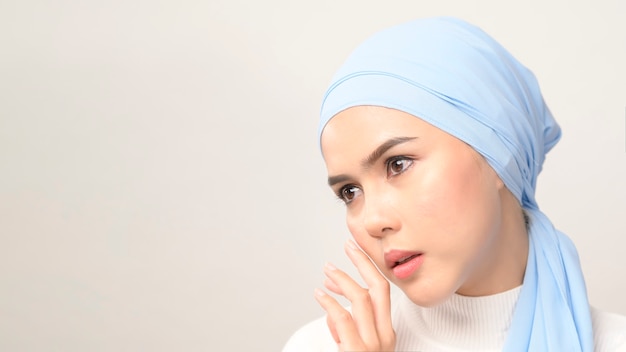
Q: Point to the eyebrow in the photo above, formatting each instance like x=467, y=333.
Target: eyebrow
x=372, y=158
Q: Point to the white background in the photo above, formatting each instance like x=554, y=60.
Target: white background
x=160, y=183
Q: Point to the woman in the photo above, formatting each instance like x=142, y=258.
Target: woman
x=433, y=135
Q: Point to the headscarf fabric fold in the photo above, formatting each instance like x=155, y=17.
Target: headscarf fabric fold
x=454, y=76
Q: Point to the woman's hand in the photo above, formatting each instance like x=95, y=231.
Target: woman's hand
x=368, y=327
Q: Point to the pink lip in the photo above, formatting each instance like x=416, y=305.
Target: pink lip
x=407, y=267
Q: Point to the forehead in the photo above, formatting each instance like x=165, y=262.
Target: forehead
x=360, y=128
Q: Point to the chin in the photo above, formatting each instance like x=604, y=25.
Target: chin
x=425, y=296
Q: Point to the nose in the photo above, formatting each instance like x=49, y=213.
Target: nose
x=380, y=217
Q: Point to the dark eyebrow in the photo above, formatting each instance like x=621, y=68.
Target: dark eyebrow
x=372, y=158
x=333, y=180
x=378, y=152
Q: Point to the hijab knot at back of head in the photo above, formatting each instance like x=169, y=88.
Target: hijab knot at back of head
x=454, y=76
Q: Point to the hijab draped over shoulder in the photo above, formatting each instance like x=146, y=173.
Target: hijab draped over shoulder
x=454, y=76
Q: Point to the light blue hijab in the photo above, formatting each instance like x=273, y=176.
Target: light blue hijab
x=454, y=76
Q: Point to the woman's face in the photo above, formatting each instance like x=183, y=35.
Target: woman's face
x=422, y=204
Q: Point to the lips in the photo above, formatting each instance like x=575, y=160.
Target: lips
x=395, y=257
x=403, y=263
x=405, y=260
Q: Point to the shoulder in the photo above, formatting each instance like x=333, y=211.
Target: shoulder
x=312, y=337
x=609, y=330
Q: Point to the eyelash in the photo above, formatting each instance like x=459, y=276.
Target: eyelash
x=388, y=164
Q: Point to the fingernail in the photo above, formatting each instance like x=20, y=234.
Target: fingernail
x=319, y=293
x=351, y=244
x=329, y=266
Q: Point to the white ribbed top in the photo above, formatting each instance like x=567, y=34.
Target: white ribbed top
x=461, y=323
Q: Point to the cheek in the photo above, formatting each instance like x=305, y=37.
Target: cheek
x=473, y=206
x=459, y=187
x=455, y=199
x=362, y=238
x=370, y=245
x=431, y=196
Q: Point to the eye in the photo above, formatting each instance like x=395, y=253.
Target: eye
x=347, y=193
x=398, y=165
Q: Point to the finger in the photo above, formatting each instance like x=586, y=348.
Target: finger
x=340, y=322
x=331, y=326
x=332, y=287
x=362, y=309
x=379, y=291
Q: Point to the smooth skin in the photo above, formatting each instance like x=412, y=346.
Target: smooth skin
x=410, y=186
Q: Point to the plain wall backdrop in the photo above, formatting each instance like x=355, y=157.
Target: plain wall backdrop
x=161, y=186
